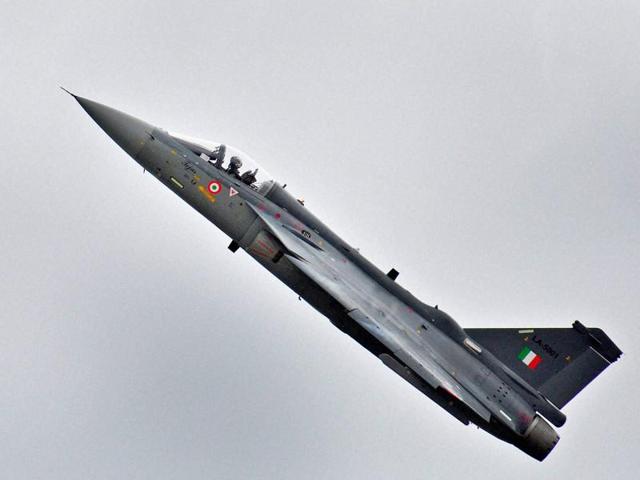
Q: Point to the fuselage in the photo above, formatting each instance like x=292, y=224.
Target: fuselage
x=421, y=343
x=422, y=327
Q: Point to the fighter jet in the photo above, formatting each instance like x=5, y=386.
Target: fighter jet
x=511, y=382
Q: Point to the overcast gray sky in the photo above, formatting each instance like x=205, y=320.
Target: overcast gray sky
x=487, y=150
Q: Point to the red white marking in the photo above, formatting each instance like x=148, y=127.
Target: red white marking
x=214, y=187
x=534, y=363
x=232, y=191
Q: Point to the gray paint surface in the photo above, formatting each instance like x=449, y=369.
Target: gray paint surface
x=418, y=342
x=501, y=140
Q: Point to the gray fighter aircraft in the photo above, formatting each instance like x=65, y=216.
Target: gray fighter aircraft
x=504, y=380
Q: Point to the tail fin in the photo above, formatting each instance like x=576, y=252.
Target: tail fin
x=559, y=362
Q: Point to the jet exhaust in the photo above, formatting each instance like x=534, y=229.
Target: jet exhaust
x=539, y=439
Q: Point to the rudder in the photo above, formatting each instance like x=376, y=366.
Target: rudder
x=559, y=362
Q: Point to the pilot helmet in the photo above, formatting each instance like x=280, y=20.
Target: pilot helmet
x=235, y=162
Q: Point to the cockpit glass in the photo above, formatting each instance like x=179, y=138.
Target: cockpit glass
x=225, y=157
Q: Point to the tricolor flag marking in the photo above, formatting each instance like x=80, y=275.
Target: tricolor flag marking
x=214, y=187
x=529, y=358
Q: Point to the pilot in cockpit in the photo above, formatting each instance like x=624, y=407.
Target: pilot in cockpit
x=217, y=156
x=234, y=167
x=249, y=177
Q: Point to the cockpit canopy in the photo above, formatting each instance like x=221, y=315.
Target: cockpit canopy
x=225, y=157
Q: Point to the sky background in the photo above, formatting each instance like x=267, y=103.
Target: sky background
x=489, y=151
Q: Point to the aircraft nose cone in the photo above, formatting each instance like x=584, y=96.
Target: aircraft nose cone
x=127, y=131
